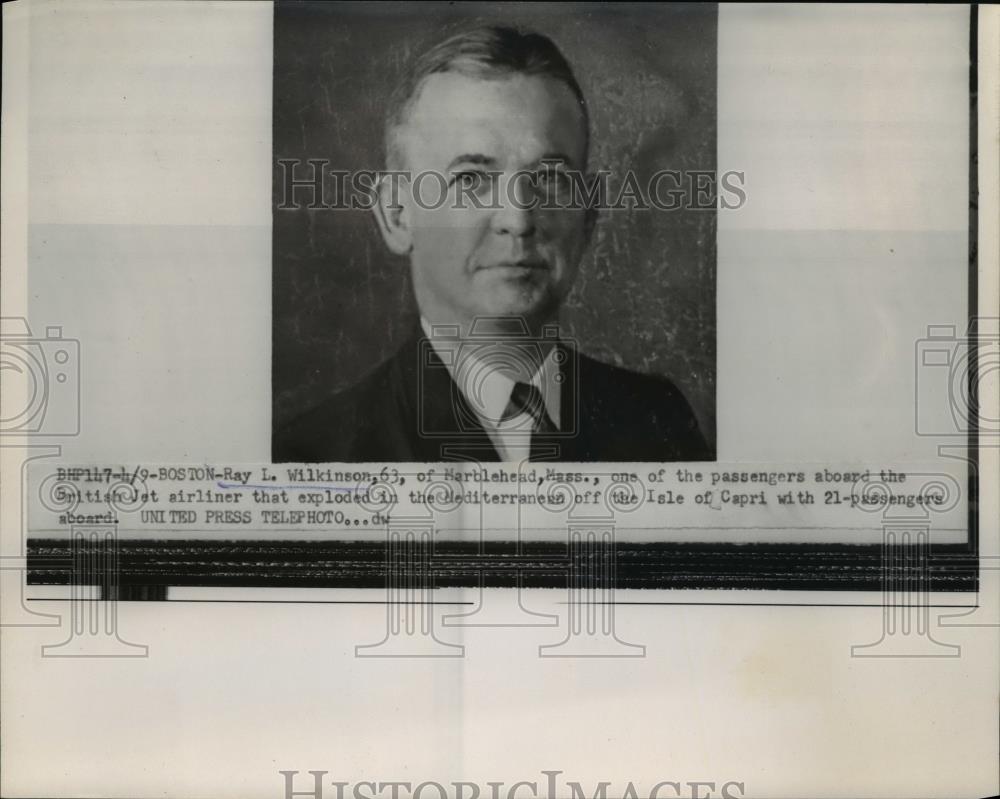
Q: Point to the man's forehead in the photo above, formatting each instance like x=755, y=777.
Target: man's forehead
x=520, y=117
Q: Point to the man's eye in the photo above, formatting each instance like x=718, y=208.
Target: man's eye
x=551, y=177
x=468, y=180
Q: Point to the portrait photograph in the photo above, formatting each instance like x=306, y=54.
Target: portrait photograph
x=494, y=232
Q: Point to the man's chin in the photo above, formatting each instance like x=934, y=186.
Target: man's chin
x=533, y=310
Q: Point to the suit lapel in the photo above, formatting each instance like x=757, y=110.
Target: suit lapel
x=442, y=425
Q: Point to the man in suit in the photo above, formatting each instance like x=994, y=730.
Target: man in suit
x=486, y=134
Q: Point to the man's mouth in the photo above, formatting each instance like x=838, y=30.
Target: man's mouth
x=523, y=265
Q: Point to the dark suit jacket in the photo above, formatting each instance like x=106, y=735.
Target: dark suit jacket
x=402, y=412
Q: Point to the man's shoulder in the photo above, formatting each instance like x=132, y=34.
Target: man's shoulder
x=647, y=414
x=330, y=429
x=612, y=382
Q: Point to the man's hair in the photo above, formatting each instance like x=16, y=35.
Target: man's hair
x=488, y=52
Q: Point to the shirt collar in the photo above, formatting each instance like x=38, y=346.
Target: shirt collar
x=488, y=390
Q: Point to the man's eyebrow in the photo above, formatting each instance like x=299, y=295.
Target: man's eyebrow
x=556, y=157
x=472, y=158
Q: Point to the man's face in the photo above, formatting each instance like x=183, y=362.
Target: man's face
x=507, y=142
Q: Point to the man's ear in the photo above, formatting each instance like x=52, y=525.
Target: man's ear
x=392, y=213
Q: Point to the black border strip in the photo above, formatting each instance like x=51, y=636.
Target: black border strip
x=142, y=565
x=973, y=310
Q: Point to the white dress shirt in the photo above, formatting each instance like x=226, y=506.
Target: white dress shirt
x=487, y=389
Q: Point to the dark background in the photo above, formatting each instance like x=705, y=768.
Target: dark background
x=645, y=294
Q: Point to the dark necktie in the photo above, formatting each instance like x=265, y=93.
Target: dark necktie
x=526, y=398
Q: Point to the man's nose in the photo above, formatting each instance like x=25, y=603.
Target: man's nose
x=515, y=215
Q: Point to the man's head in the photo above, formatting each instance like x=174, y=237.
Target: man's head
x=494, y=120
